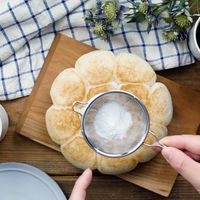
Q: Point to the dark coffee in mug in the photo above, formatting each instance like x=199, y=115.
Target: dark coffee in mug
x=198, y=35
x=194, y=39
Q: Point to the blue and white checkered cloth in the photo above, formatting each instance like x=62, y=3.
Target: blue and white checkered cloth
x=28, y=27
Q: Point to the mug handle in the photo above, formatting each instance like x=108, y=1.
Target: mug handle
x=78, y=107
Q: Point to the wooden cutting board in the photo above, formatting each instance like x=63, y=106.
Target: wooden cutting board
x=155, y=175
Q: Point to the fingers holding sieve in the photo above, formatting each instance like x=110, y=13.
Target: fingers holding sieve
x=157, y=143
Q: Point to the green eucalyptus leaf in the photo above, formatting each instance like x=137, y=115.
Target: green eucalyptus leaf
x=138, y=17
x=171, y=4
x=168, y=20
x=137, y=4
x=149, y=27
x=160, y=10
x=182, y=2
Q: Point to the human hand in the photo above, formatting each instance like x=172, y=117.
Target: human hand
x=81, y=185
x=183, y=154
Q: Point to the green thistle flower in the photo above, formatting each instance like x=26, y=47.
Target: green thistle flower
x=110, y=10
x=143, y=8
x=170, y=36
x=100, y=31
x=182, y=21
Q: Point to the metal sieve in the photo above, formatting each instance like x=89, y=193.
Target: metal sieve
x=114, y=123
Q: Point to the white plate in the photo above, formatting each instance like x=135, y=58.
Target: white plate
x=24, y=182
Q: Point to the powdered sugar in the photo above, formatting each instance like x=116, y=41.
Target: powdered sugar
x=112, y=120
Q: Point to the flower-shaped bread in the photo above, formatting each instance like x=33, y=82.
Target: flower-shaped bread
x=97, y=72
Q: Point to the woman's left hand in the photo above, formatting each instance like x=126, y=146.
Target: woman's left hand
x=81, y=185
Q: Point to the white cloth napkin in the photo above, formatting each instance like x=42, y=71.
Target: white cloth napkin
x=28, y=27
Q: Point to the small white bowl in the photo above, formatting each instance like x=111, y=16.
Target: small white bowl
x=193, y=45
x=3, y=122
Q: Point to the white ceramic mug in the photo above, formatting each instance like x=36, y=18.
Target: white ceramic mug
x=3, y=122
x=193, y=44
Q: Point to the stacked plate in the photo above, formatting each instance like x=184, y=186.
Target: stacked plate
x=24, y=182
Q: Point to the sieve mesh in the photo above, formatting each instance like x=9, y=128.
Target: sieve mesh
x=115, y=124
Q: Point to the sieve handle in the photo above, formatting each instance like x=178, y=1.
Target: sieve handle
x=157, y=143
x=78, y=107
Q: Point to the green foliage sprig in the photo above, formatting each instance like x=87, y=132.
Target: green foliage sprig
x=107, y=16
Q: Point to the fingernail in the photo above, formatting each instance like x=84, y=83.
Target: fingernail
x=87, y=171
x=156, y=149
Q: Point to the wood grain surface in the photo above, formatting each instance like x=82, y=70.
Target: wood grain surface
x=155, y=175
x=19, y=149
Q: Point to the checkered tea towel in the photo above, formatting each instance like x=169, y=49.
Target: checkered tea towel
x=28, y=27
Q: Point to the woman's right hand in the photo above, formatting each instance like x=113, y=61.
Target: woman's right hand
x=183, y=154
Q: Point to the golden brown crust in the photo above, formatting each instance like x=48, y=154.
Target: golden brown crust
x=108, y=165
x=160, y=104
x=98, y=89
x=131, y=68
x=139, y=90
x=78, y=153
x=67, y=88
x=96, y=67
x=61, y=124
